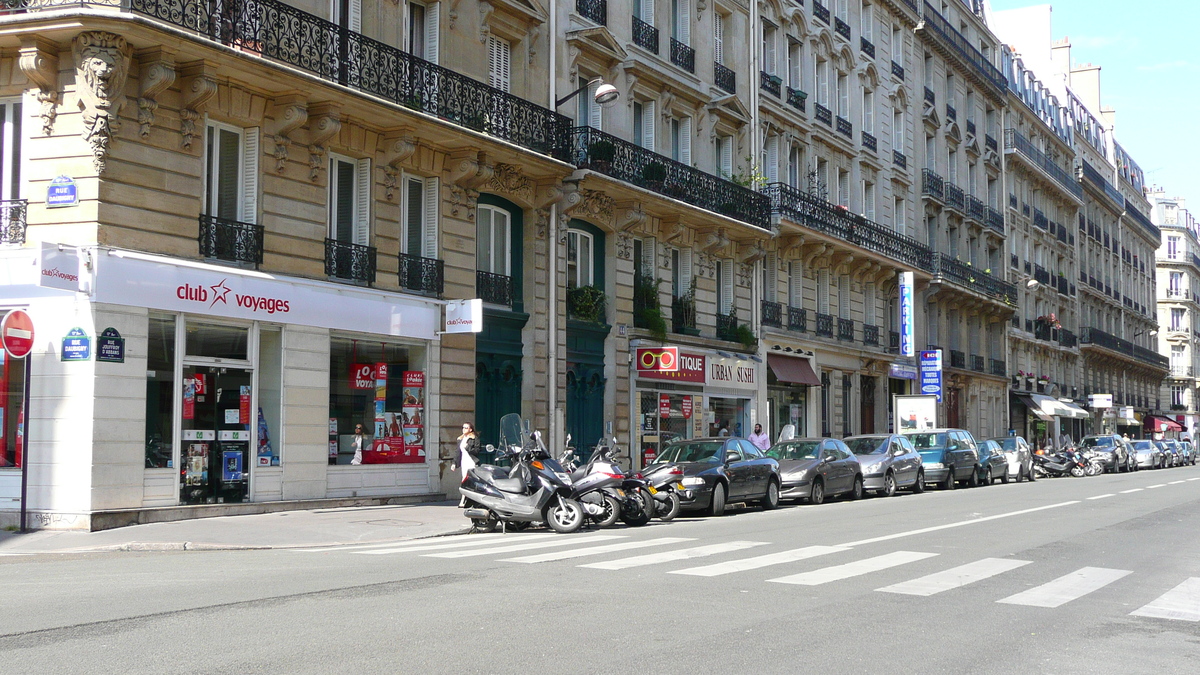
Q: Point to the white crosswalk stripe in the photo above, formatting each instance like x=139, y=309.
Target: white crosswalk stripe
x=1181, y=603
x=1066, y=588
x=956, y=577
x=597, y=550
x=671, y=556
x=548, y=542
x=459, y=542
x=761, y=561
x=857, y=568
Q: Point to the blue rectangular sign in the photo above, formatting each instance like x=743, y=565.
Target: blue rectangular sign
x=931, y=373
x=906, y=314
x=62, y=191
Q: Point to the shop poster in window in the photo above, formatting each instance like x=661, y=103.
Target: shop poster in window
x=413, y=412
x=197, y=464
x=265, y=456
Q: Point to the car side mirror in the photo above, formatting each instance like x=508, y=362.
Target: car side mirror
x=897, y=452
x=731, y=456
x=827, y=458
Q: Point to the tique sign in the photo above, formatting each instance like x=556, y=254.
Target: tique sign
x=688, y=368
x=658, y=359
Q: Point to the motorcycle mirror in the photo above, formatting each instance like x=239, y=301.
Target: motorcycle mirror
x=491, y=448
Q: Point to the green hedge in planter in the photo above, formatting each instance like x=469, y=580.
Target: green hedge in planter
x=586, y=303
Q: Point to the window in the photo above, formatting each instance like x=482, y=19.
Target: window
x=822, y=73
x=770, y=278
x=1177, y=355
x=499, y=62
x=771, y=159
x=643, y=252
x=795, y=161
x=10, y=148
x=843, y=187
x=1173, y=248
x=795, y=64
x=870, y=313
x=842, y=10
x=843, y=92
x=868, y=21
x=589, y=113
x=644, y=10
x=349, y=200
x=719, y=38
x=724, y=286
x=823, y=291
x=844, y=296
x=822, y=186
x=681, y=139
x=898, y=215
x=769, y=34
x=1177, y=395
x=420, y=209
x=681, y=22
x=492, y=247
x=387, y=401
x=580, y=252
x=898, y=130
x=347, y=14
x=644, y=124
x=1177, y=322
x=868, y=111
x=795, y=284
x=424, y=30
x=681, y=272
x=897, y=45
x=231, y=173
x=1175, y=284
x=868, y=200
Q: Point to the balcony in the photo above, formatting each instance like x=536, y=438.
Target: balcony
x=683, y=56
x=898, y=70
x=352, y=262
x=823, y=114
x=1095, y=337
x=1040, y=220
x=994, y=220
x=893, y=342
x=841, y=28
x=845, y=127
x=496, y=289
x=727, y=326
x=997, y=367
x=629, y=162
x=951, y=113
x=645, y=35
x=1182, y=371
x=955, y=198
x=724, y=78
x=12, y=221
x=683, y=316
x=824, y=325
x=930, y=97
x=1101, y=184
x=975, y=208
x=796, y=98
x=820, y=12
x=870, y=335
x=1140, y=218
x=797, y=319
x=899, y=159
x=422, y=275
x=978, y=363
x=971, y=130
x=966, y=276
x=958, y=359
x=845, y=329
x=231, y=240
x=869, y=142
x=772, y=314
x=822, y=216
x=1015, y=142
x=867, y=47
x=932, y=185
x=772, y=84
x=955, y=45
x=989, y=142
x=596, y=10
x=1041, y=274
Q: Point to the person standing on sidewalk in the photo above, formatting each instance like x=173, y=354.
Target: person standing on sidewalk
x=468, y=450
x=759, y=439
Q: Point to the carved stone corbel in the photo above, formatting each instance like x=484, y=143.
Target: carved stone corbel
x=291, y=112
x=791, y=247
x=592, y=205
x=672, y=230
x=39, y=63
x=752, y=253
x=462, y=202
x=816, y=252
x=325, y=121
x=469, y=169
x=715, y=241
x=535, y=34
x=101, y=66
x=485, y=11
x=198, y=86
x=630, y=216
x=156, y=74
x=397, y=148
x=549, y=194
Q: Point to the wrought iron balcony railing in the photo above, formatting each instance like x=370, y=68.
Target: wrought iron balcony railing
x=867, y=47
x=823, y=114
x=968, y=277
x=1015, y=142
x=841, y=28
x=845, y=329
x=727, y=326
x=975, y=208
x=645, y=35
x=1141, y=219
x=230, y=240
x=869, y=142
x=616, y=157
x=824, y=325
x=796, y=98
x=1068, y=339
x=1091, y=175
x=845, y=127
x=797, y=319
x=995, y=220
x=932, y=185
x=1098, y=338
x=954, y=196
x=990, y=143
x=352, y=262
x=596, y=10
x=897, y=70
x=951, y=113
x=820, y=12
x=899, y=159
x=997, y=367
x=971, y=126
x=772, y=314
x=822, y=216
x=683, y=56
x=725, y=78
x=772, y=84
x=422, y=275
x=958, y=359
x=1182, y=371
x=870, y=335
x=894, y=342
x=978, y=363
x=281, y=32
x=930, y=97
x=959, y=46
x=12, y=221
x=494, y=288
x=683, y=315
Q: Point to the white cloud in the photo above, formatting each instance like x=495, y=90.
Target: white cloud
x=1168, y=65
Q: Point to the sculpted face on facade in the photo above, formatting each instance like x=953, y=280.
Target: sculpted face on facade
x=101, y=66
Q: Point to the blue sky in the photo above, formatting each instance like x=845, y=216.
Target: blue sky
x=1148, y=74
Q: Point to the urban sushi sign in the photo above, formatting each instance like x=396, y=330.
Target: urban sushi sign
x=732, y=372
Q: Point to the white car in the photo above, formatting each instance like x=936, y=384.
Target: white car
x=1019, y=455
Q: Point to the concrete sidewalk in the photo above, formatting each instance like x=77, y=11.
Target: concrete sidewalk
x=284, y=529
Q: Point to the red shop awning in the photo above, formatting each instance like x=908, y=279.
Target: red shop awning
x=793, y=369
x=1158, y=423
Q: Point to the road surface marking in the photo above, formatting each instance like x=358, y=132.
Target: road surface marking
x=839, y=572
x=670, y=556
x=1125, y=492
x=547, y=542
x=1101, y=496
x=594, y=550
x=1181, y=603
x=1176, y=482
x=1066, y=588
x=460, y=542
x=747, y=564
x=1151, y=487
x=910, y=533
x=1192, y=479
x=955, y=577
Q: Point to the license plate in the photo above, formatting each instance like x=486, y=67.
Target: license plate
x=651, y=489
x=621, y=493
x=679, y=486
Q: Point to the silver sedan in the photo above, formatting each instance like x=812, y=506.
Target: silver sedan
x=889, y=462
x=1149, y=455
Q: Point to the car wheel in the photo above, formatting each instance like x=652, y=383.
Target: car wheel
x=949, y=483
x=856, y=492
x=889, y=485
x=1032, y=475
x=973, y=481
x=816, y=494
x=987, y=476
x=1004, y=475
x=772, y=499
x=717, y=507
x=919, y=486
x=1020, y=474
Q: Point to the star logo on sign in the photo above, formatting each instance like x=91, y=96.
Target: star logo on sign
x=220, y=290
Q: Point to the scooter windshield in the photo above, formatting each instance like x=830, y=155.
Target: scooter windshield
x=512, y=432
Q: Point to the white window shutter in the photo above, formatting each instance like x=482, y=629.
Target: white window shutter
x=727, y=287
x=719, y=39
x=685, y=269
x=773, y=159
x=362, y=202
x=771, y=292
x=649, y=124
x=869, y=301
x=250, y=153
x=726, y=155
x=648, y=263
x=499, y=62
x=844, y=296
x=355, y=22
x=685, y=22
x=430, y=221
x=595, y=114
x=685, y=140
x=648, y=11
x=823, y=292
x=796, y=285
x=433, y=30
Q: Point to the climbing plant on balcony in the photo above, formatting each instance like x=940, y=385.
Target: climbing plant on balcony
x=647, y=312
x=586, y=303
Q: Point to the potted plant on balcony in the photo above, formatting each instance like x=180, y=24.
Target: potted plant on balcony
x=653, y=175
x=647, y=313
x=600, y=155
x=586, y=303
x=745, y=335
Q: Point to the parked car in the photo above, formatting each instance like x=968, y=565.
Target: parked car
x=720, y=471
x=1111, y=449
x=1171, y=453
x=1149, y=455
x=948, y=456
x=1020, y=456
x=816, y=468
x=889, y=462
x=993, y=464
x=1189, y=452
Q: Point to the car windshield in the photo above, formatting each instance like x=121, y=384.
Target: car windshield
x=1097, y=441
x=1009, y=444
x=795, y=450
x=868, y=445
x=700, y=451
x=1143, y=445
x=928, y=441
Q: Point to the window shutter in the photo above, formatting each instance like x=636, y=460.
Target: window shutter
x=719, y=39
x=685, y=269
x=498, y=56
x=685, y=140
x=769, y=50
x=823, y=292
x=431, y=220
x=843, y=85
x=868, y=112
x=647, y=11
x=355, y=22
x=727, y=287
x=647, y=262
x=771, y=292
x=362, y=202
x=794, y=65
x=726, y=155
x=433, y=30
x=869, y=301
x=595, y=116
x=844, y=296
x=685, y=22
x=649, y=124
x=250, y=153
x=773, y=159
x=795, y=285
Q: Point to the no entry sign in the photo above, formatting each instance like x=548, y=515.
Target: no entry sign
x=17, y=330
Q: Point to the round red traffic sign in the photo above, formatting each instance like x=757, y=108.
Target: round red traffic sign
x=17, y=330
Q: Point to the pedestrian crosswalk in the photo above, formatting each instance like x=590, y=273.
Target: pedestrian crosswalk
x=819, y=565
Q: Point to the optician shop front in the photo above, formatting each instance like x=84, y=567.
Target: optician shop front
x=162, y=382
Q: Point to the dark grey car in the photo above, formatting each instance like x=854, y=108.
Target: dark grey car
x=815, y=468
x=720, y=471
x=889, y=462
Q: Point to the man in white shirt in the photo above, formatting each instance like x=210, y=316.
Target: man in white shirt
x=760, y=439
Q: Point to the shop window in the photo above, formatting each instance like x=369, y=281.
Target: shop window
x=382, y=387
x=217, y=341
x=231, y=173
x=160, y=392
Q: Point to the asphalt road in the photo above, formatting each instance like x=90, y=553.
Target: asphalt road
x=1092, y=575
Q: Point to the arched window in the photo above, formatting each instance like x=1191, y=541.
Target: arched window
x=581, y=248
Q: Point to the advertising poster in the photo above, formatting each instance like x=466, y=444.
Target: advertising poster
x=686, y=407
x=664, y=405
x=931, y=373
x=915, y=413
x=244, y=404
x=414, y=416
x=189, y=400
x=232, y=462
x=264, y=441
x=197, y=464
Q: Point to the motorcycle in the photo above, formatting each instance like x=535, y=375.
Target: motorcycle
x=534, y=489
x=1095, y=464
x=665, y=484
x=1060, y=464
x=600, y=486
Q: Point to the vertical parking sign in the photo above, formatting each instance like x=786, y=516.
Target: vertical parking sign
x=906, y=314
x=931, y=373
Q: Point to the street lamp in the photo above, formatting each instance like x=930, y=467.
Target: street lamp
x=606, y=94
x=1032, y=284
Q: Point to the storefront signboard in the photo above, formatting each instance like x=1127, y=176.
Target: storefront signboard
x=657, y=359
x=915, y=412
x=231, y=435
x=686, y=407
x=464, y=316
x=690, y=368
x=664, y=405
x=199, y=435
x=1100, y=401
x=732, y=373
x=76, y=346
x=62, y=191
x=906, y=314
x=17, y=330
x=58, y=267
x=110, y=347
x=902, y=371
x=362, y=376
x=931, y=373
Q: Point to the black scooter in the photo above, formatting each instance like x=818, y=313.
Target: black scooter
x=601, y=482
x=1067, y=463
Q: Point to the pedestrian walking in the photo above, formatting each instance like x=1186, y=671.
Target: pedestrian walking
x=360, y=440
x=760, y=439
x=724, y=430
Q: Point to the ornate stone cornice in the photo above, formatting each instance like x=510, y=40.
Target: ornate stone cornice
x=507, y=178
x=39, y=63
x=397, y=147
x=156, y=72
x=291, y=112
x=469, y=169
